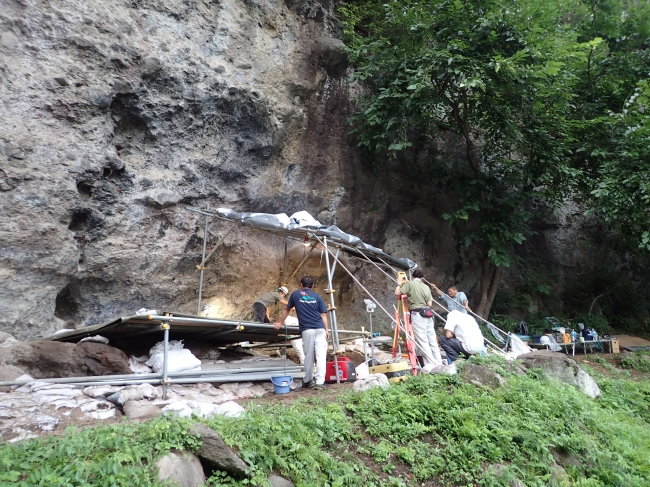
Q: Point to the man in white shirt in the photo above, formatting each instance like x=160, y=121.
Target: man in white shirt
x=462, y=336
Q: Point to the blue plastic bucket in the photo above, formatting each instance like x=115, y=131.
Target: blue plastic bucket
x=282, y=383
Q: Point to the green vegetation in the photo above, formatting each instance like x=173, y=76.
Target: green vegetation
x=547, y=97
x=428, y=428
x=103, y=456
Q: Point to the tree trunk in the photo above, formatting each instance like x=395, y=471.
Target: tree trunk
x=490, y=280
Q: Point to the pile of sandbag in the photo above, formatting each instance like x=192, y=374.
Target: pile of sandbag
x=179, y=359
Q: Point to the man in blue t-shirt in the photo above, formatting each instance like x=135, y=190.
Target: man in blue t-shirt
x=313, y=326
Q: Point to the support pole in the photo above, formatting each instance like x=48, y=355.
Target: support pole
x=207, y=257
x=332, y=311
x=284, y=265
x=304, y=259
x=205, y=242
x=165, y=327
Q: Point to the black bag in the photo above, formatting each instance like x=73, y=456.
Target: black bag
x=426, y=312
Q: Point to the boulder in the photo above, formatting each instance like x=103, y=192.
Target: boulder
x=140, y=409
x=481, y=376
x=277, y=481
x=332, y=52
x=215, y=454
x=181, y=469
x=44, y=359
x=560, y=367
x=101, y=359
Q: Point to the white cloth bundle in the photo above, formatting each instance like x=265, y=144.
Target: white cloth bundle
x=177, y=361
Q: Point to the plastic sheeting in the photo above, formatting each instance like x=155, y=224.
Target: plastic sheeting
x=283, y=224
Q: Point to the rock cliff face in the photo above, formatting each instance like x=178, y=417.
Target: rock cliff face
x=117, y=114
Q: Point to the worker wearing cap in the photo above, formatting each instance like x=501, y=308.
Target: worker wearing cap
x=262, y=304
x=419, y=297
x=314, y=329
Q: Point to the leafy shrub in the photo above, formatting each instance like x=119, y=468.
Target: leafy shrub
x=120, y=455
x=293, y=440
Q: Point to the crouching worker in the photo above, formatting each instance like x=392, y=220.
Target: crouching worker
x=262, y=304
x=314, y=329
x=462, y=336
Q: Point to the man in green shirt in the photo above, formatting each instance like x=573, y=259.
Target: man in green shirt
x=419, y=296
x=265, y=301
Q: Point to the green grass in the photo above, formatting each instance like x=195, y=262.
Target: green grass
x=110, y=456
x=428, y=428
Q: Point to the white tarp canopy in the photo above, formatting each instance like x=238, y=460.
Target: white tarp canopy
x=303, y=226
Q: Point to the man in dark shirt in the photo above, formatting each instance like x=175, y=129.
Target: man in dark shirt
x=265, y=301
x=314, y=328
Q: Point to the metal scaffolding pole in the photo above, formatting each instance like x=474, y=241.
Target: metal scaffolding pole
x=205, y=242
x=165, y=380
x=284, y=264
x=332, y=309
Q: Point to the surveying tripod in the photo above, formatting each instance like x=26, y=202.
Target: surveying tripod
x=403, y=322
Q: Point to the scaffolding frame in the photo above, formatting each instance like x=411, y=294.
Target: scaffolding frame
x=312, y=237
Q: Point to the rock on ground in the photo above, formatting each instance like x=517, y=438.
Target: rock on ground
x=277, y=481
x=47, y=359
x=140, y=409
x=562, y=368
x=181, y=469
x=215, y=454
x=481, y=375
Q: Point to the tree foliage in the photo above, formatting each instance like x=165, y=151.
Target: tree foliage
x=548, y=97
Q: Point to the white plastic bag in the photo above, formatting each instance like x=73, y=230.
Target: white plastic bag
x=297, y=347
x=177, y=361
x=229, y=409
x=137, y=367
x=362, y=371
x=441, y=369
x=160, y=346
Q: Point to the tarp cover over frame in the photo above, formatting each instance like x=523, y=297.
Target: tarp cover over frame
x=302, y=224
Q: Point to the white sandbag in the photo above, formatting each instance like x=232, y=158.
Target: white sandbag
x=362, y=371
x=137, y=367
x=145, y=311
x=98, y=409
x=441, y=369
x=29, y=387
x=160, y=346
x=177, y=361
x=291, y=321
x=372, y=381
x=100, y=392
x=229, y=409
x=133, y=393
x=182, y=408
x=96, y=338
x=297, y=347
x=22, y=377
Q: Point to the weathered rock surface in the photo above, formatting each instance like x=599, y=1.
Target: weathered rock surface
x=481, y=375
x=181, y=469
x=277, y=481
x=115, y=115
x=215, y=454
x=47, y=359
x=560, y=367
